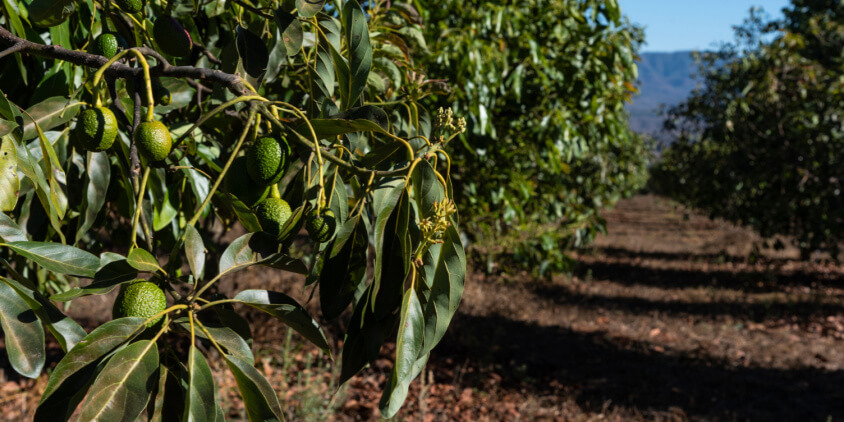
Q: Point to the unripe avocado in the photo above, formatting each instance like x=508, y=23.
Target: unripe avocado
x=267, y=160
x=321, y=226
x=130, y=6
x=153, y=141
x=239, y=184
x=105, y=45
x=96, y=129
x=141, y=299
x=273, y=213
x=171, y=37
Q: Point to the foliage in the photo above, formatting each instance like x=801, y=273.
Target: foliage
x=548, y=143
x=761, y=142
x=330, y=77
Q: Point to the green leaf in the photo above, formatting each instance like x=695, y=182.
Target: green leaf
x=240, y=255
x=98, y=173
x=49, y=113
x=106, y=279
x=359, y=53
x=309, y=8
x=323, y=74
x=9, y=181
x=143, y=261
x=344, y=269
x=253, y=52
x=427, y=189
x=259, y=398
x=291, y=31
x=200, y=404
x=364, y=337
x=195, y=251
x=123, y=388
x=10, y=231
x=168, y=404
x=58, y=258
x=362, y=119
x=224, y=336
x=48, y=13
x=288, y=311
x=70, y=379
x=392, y=259
x=444, y=270
x=65, y=330
x=23, y=334
x=408, y=345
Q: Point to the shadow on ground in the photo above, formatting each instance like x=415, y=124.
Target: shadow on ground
x=629, y=373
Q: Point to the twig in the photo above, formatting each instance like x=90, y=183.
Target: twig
x=118, y=70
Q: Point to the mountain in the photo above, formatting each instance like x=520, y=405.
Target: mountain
x=664, y=79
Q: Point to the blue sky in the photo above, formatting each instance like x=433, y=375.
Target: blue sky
x=672, y=25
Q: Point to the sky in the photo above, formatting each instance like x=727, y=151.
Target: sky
x=675, y=25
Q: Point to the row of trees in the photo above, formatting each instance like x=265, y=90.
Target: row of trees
x=548, y=144
x=132, y=131
x=761, y=142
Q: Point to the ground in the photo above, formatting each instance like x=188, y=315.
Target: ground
x=664, y=319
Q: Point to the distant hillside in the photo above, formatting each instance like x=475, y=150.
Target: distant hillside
x=664, y=78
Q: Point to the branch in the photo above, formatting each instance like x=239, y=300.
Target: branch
x=15, y=44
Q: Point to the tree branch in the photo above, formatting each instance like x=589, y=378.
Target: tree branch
x=15, y=44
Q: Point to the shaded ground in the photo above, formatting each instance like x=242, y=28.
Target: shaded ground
x=664, y=320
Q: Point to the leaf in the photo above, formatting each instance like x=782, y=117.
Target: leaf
x=65, y=330
x=123, y=388
x=359, y=53
x=106, y=279
x=200, y=404
x=291, y=31
x=48, y=13
x=288, y=311
x=195, y=251
x=143, y=261
x=50, y=113
x=362, y=119
x=240, y=255
x=98, y=173
x=168, y=404
x=427, y=188
x=253, y=52
x=444, y=270
x=24, y=336
x=408, y=344
x=58, y=258
x=323, y=73
x=392, y=259
x=259, y=398
x=10, y=231
x=70, y=379
x=344, y=269
x=364, y=337
x=9, y=181
x=224, y=336
x=309, y=8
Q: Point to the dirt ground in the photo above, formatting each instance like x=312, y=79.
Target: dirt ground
x=665, y=319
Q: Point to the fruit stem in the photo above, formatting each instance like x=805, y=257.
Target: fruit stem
x=165, y=312
x=274, y=192
x=143, y=61
x=138, y=208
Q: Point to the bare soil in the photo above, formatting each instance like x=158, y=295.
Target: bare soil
x=671, y=317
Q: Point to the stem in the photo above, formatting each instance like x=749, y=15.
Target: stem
x=165, y=312
x=138, y=206
x=205, y=330
x=218, y=302
x=214, y=112
x=141, y=59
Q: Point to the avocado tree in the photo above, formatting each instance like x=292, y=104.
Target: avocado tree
x=134, y=133
x=761, y=142
x=546, y=125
